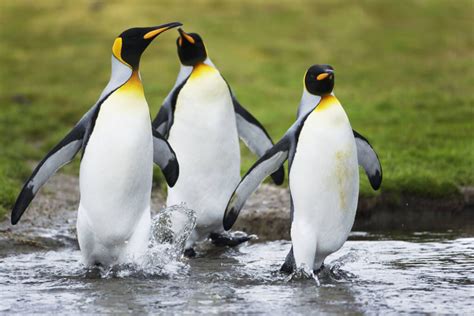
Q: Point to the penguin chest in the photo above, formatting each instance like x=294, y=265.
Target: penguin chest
x=204, y=138
x=324, y=177
x=116, y=169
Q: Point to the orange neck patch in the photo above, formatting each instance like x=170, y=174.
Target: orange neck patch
x=202, y=69
x=133, y=85
x=326, y=102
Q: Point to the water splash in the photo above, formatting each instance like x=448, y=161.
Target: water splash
x=433, y=277
x=172, y=226
x=170, y=229
x=334, y=270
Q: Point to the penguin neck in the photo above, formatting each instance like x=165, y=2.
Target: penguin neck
x=119, y=69
x=326, y=102
x=120, y=74
x=308, y=103
x=134, y=84
x=202, y=69
x=206, y=62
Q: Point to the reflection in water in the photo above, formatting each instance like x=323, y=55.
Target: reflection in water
x=423, y=272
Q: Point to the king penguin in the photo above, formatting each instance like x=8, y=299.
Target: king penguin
x=202, y=120
x=119, y=148
x=323, y=154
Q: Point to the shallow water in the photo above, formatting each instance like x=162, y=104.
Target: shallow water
x=373, y=272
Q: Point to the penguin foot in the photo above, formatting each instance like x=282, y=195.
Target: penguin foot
x=230, y=239
x=321, y=268
x=190, y=253
x=303, y=273
x=288, y=268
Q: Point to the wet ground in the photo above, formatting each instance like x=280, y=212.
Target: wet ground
x=371, y=273
x=375, y=272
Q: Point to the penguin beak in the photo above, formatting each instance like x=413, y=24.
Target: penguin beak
x=186, y=36
x=157, y=30
x=324, y=75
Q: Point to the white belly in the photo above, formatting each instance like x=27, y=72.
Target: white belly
x=324, y=184
x=204, y=138
x=115, y=179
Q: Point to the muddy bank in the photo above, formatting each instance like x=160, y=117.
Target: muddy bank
x=266, y=214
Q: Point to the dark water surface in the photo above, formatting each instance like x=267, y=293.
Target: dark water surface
x=373, y=272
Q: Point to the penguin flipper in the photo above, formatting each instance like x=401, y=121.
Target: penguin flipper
x=254, y=135
x=165, y=117
x=267, y=164
x=165, y=158
x=230, y=239
x=60, y=155
x=369, y=160
x=160, y=123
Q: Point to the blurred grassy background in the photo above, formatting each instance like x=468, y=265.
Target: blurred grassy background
x=404, y=73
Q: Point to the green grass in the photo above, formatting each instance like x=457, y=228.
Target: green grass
x=404, y=73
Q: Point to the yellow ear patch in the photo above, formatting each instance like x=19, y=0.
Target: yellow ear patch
x=117, y=50
x=304, y=80
x=322, y=76
x=155, y=32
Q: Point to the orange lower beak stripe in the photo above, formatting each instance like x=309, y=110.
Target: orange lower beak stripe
x=155, y=32
x=188, y=38
x=322, y=76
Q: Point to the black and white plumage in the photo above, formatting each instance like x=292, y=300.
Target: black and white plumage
x=202, y=120
x=323, y=152
x=118, y=147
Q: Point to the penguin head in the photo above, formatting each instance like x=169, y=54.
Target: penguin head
x=129, y=46
x=319, y=80
x=191, y=49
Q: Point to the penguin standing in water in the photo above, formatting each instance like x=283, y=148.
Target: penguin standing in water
x=202, y=120
x=119, y=148
x=323, y=154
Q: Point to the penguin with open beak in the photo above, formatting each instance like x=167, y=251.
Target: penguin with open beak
x=203, y=121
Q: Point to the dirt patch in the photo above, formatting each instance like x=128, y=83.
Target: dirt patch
x=267, y=213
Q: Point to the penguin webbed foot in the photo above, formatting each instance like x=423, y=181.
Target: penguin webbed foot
x=230, y=239
x=289, y=269
x=289, y=266
x=321, y=268
x=303, y=273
